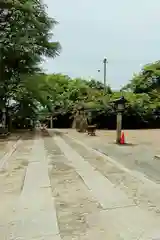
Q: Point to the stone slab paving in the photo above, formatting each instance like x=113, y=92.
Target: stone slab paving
x=143, y=191
x=103, y=190
x=131, y=171
x=35, y=215
x=138, y=156
x=127, y=224
x=121, y=220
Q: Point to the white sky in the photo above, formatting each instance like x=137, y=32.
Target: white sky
x=126, y=32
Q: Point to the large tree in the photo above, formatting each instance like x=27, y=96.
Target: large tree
x=26, y=32
x=147, y=81
x=25, y=39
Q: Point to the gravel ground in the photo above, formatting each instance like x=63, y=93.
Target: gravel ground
x=73, y=200
x=143, y=195
x=11, y=181
x=6, y=144
x=138, y=156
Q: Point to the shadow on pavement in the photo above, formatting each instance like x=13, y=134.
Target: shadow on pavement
x=46, y=133
x=15, y=136
x=125, y=144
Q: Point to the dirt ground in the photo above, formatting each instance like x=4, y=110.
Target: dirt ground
x=6, y=144
x=138, y=155
x=149, y=137
x=134, y=188
x=74, y=201
x=12, y=177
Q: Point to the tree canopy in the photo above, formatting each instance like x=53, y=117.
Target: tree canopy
x=26, y=37
x=66, y=94
x=148, y=80
x=26, y=33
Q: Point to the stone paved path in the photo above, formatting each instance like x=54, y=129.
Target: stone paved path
x=103, y=190
x=138, y=156
x=35, y=216
x=123, y=220
x=55, y=188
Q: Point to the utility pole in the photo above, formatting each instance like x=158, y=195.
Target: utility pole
x=105, y=69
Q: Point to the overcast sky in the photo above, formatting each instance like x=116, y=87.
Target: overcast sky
x=127, y=32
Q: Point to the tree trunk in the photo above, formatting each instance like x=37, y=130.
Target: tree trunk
x=51, y=122
x=4, y=118
x=10, y=123
x=74, y=123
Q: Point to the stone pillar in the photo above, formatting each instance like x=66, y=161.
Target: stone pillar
x=119, y=127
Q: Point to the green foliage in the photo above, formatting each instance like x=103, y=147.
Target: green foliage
x=25, y=40
x=66, y=95
x=147, y=80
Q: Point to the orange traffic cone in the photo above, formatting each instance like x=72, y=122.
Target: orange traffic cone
x=122, y=140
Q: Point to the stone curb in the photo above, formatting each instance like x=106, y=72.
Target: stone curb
x=157, y=157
